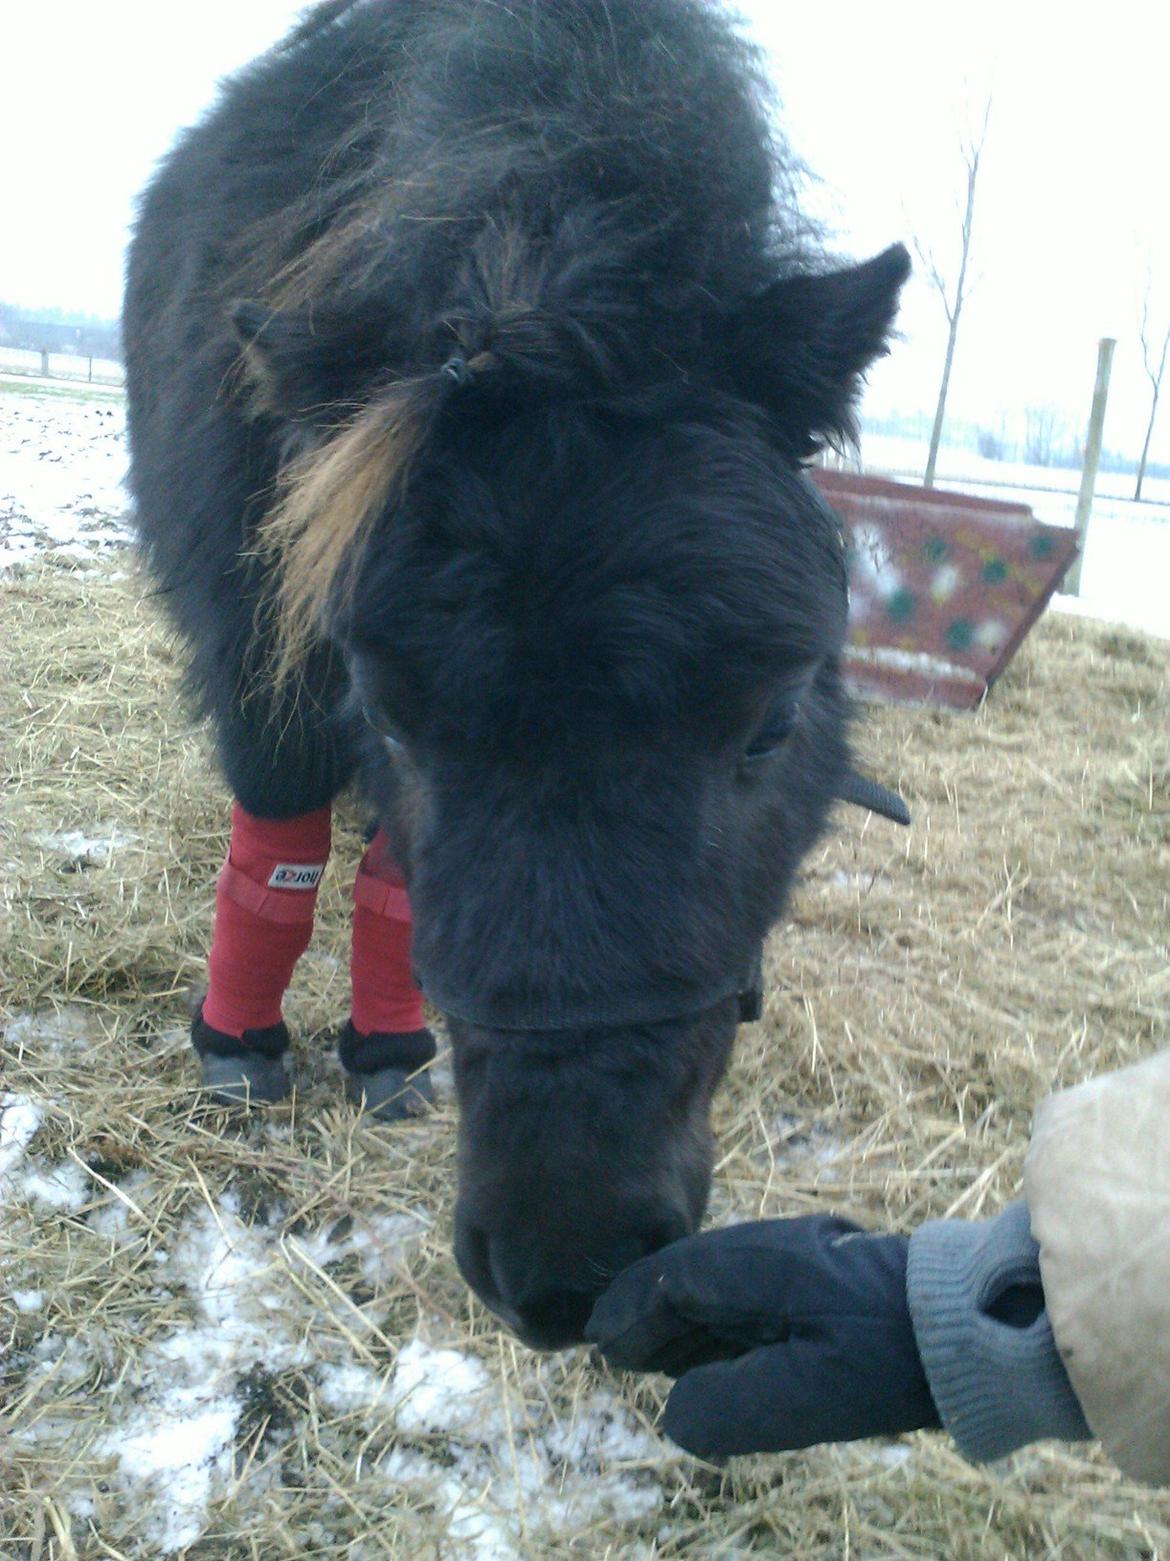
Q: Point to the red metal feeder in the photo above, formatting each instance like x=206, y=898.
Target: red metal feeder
x=943, y=586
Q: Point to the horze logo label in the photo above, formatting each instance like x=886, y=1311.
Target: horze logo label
x=296, y=875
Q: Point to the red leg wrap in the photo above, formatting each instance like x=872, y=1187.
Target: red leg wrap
x=385, y=998
x=264, y=904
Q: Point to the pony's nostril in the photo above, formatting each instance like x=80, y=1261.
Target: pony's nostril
x=506, y=1281
x=473, y=1255
x=556, y=1317
x=545, y=1293
x=546, y=1296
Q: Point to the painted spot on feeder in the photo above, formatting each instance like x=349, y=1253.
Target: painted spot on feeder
x=960, y=634
x=901, y=606
x=990, y=634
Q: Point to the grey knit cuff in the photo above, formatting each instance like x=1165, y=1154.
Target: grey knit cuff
x=996, y=1386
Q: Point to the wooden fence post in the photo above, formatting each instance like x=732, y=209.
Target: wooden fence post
x=44, y=363
x=1072, y=580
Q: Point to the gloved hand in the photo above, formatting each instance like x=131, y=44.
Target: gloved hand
x=783, y=1333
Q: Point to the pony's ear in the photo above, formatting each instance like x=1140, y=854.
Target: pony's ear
x=800, y=348
x=302, y=364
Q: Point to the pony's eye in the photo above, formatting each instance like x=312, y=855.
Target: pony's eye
x=774, y=730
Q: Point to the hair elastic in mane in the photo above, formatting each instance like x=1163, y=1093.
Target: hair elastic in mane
x=457, y=369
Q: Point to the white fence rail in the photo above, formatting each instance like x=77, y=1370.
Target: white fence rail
x=60, y=365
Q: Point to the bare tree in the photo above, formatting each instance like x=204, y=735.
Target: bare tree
x=1155, y=366
x=954, y=296
x=1043, y=432
x=1039, y=428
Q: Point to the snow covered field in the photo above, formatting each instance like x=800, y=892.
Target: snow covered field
x=62, y=460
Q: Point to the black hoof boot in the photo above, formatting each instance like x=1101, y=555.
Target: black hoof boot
x=391, y=1094
x=240, y=1081
x=240, y=1072
x=388, y=1072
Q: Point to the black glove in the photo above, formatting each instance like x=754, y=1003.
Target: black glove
x=783, y=1333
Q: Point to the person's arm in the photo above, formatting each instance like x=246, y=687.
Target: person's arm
x=977, y=1302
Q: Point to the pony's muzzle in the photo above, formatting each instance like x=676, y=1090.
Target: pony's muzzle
x=545, y=1295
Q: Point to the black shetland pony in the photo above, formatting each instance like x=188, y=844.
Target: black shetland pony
x=473, y=353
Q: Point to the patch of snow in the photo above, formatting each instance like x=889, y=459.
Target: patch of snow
x=23, y=1177
x=887, y=1455
x=597, y=1433
x=113, y=1215
x=176, y=1457
x=68, y=1029
x=224, y=1266
x=67, y=1360
x=473, y=1533
x=173, y=1455
x=27, y=1300
x=80, y=846
x=497, y=1470
x=20, y=1119
x=64, y=1186
x=347, y=1388
x=442, y=1390
x=892, y=1454
x=377, y=1243
x=498, y=1481
x=856, y=883
x=798, y=1142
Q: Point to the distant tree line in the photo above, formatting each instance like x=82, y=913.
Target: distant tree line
x=60, y=330
x=1039, y=436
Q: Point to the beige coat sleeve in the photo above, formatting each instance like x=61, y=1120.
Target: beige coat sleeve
x=1097, y=1182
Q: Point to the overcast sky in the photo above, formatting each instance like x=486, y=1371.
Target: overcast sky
x=1072, y=194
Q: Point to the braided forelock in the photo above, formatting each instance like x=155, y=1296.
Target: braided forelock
x=553, y=310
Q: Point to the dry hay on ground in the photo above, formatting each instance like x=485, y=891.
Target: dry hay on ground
x=238, y=1340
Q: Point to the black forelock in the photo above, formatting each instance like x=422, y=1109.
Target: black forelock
x=588, y=568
